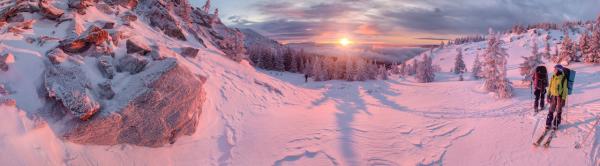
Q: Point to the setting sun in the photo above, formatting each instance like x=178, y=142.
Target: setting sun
x=345, y=42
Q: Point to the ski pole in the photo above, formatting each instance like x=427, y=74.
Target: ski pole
x=578, y=145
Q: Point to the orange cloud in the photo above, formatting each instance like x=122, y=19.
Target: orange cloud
x=366, y=29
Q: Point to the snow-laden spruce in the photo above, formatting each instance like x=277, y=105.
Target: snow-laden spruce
x=494, y=67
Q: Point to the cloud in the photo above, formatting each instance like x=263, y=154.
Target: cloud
x=284, y=19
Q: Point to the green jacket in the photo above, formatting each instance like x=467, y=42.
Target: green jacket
x=558, y=86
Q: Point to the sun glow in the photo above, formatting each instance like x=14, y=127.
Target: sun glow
x=345, y=42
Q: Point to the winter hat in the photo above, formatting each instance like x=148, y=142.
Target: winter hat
x=559, y=67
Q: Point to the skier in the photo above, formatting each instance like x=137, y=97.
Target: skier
x=305, y=78
x=540, y=82
x=557, y=94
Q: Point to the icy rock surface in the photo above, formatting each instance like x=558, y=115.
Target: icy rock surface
x=49, y=11
x=158, y=15
x=57, y=56
x=157, y=106
x=69, y=86
x=132, y=63
x=6, y=59
x=135, y=46
x=189, y=52
x=105, y=65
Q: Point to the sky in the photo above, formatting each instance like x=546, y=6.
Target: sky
x=392, y=22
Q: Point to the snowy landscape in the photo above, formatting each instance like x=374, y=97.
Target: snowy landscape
x=172, y=82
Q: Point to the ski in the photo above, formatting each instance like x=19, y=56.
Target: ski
x=539, y=140
x=552, y=134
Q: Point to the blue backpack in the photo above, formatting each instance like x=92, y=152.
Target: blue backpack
x=570, y=76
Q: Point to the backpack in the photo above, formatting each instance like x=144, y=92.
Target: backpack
x=570, y=77
x=540, y=79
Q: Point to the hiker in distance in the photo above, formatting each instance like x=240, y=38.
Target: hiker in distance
x=540, y=82
x=557, y=95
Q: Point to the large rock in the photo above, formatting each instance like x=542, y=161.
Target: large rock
x=57, y=56
x=49, y=11
x=80, y=5
x=69, y=86
x=131, y=63
x=105, y=90
x=159, y=16
x=19, y=6
x=189, y=52
x=105, y=65
x=94, y=36
x=5, y=60
x=131, y=4
x=136, y=46
x=160, y=104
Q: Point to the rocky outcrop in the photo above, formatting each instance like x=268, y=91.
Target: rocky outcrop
x=18, y=7
x=132, y=63
x=80, y=5
x=136, y=46
x=49, y=11
x=163, y=103
x=130, y=4
x=69, y=87
x=57, y=56
x=105, y=90
x=5, y=60
x=189, y=52
x=128, y=17
x=94, y=36
x=158, y=15
x=105, y=66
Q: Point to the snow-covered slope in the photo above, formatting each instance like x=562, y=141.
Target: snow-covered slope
x=257, y=117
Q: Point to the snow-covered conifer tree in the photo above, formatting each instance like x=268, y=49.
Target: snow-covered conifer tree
x=476, y=71
x=547, y=49
x=317, y=70
x=595, y=44
x=459, y=64
x=403, y=69
x=567, y=50
x=425, y=71
x=413, y=67
x=206, y=7
x=350, y=69
x=530, y=63
x=494, y=67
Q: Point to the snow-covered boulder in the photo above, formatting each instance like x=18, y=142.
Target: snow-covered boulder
x=160, y=52
x=57, y=56
x=94, y=36
x=5, y=60
x=105, y=65
x=136, y=46
x=158, y=105
x=116, y=36
x=158, y=15
x=69, y=86
x=105, y=8
x=131, y=4
x=17, y=18
x=108, y=25
x=18, y=7
x=49, y=11
x=105, y=90
x=80, y=5
x=189, y=52
x=131, y=63
x=128, y=17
